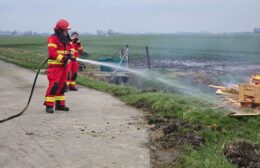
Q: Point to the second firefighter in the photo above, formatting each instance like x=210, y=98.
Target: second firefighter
x=73, y=66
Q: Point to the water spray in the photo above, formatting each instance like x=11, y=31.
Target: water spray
x=153, y=76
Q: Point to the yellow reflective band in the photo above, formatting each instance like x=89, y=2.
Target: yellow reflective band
x=52, y=45
x=72, y=83
x=62, y=52
x=59, y=97
x=54, y=62
x=49, y=99
x=59, y=58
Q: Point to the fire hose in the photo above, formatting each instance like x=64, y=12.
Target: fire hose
x=35, y=80
x=30, y=97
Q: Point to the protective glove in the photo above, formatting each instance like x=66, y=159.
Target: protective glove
x=78, y=42
x=73, y=58
x=67, y=58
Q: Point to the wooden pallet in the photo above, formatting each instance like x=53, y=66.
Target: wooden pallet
x=247, y=95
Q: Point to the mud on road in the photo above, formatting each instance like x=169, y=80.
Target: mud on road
x=167, y=138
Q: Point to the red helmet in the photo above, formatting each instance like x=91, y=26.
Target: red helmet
x=62, y=24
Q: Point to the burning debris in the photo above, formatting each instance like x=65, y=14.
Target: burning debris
x=242, y=95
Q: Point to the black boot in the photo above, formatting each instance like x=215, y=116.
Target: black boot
x=66, y=89
x=73, y=89
x=49, y=109
x=62, y=108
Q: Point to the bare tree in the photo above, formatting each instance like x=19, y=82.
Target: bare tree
x=110, y=32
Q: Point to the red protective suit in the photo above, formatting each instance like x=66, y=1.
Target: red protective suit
x=74, y=65
x=57, y=72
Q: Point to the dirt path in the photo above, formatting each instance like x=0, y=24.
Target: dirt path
x=98, y=132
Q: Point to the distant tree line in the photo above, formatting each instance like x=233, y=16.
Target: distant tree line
x=109, y=32
x=17, y=33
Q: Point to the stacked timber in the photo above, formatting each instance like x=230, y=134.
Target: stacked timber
x=242, y=95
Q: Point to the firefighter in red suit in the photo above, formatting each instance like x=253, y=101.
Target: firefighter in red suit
x=74, y=65
x=59, y=55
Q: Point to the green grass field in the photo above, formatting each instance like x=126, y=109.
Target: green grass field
x=216, y=129
x=243, y=48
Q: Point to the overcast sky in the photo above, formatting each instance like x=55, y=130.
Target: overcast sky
x=162, y=16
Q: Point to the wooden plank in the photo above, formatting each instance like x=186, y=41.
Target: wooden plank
x=217, y=87
x=232, y=101
x=235, y=105
x=241, y=93
x=257, y=94
x=239, y=114
x=220, y=92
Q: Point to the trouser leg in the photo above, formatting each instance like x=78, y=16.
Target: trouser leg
x=68, y=73
x=60, y=96
x=52, y=89
x=74, y=74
